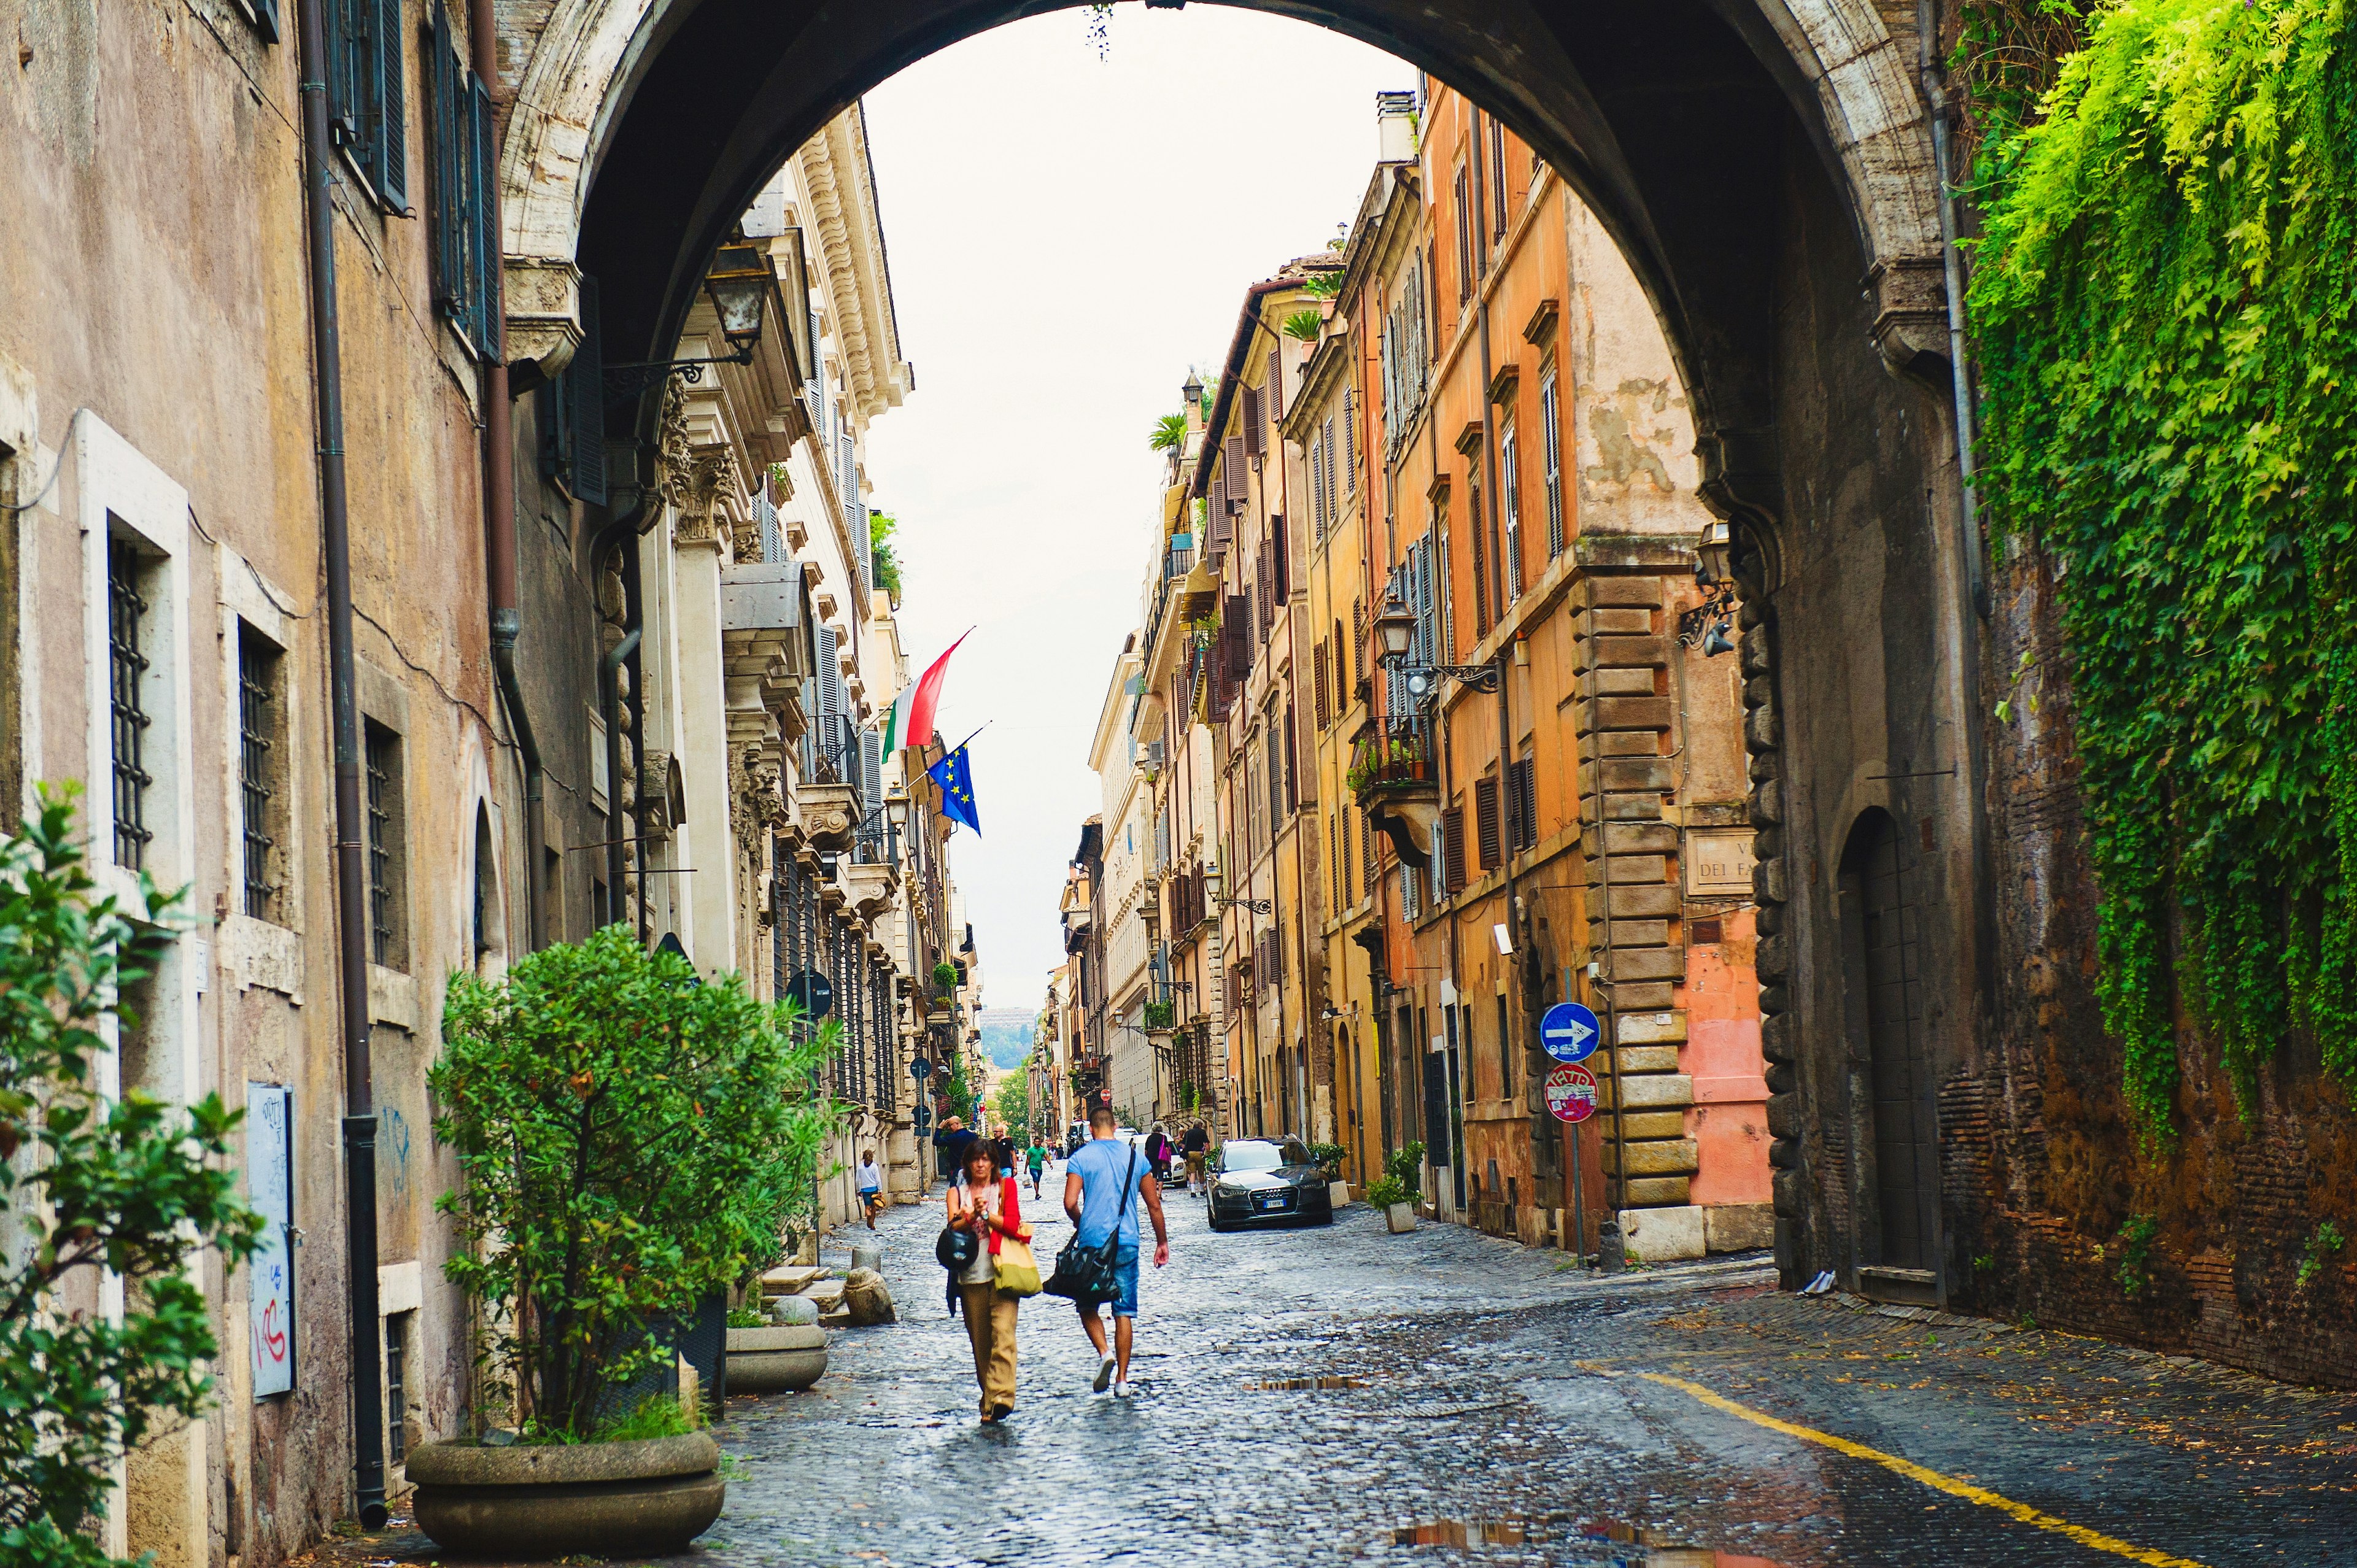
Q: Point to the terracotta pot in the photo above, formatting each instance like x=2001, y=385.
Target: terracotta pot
x=548, y=1500
x=775, y=1361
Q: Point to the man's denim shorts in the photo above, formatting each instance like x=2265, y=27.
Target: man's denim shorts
x=1125, y=1270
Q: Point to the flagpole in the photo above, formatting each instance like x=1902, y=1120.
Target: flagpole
x=968, y=740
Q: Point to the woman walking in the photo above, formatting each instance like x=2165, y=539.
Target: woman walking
x=989, y=1205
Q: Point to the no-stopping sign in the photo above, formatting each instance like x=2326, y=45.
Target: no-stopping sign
x=1571, y=1092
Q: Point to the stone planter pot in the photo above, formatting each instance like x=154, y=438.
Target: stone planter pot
x=775, y=1361
x=1337, y=1193
x=1401, y=1218
x=552, y=1500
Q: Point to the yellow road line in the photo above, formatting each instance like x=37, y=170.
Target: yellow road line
x=1931, y=1478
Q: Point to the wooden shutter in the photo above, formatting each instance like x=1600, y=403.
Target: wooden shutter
x=1525, y=803
x=446, y=120
x=1452, y=839
x=1325, y=713
x=488, y=312
x=584, y=404
x=1464, y=236
x=1485, y=822
x=1231, y=462
x=1280, y=567
x=1473, y=534
x=389, y=169
x=1358, y=637
x=1351, y=443
x=1294, y=793
x=1276, y=389
x=1253, y=444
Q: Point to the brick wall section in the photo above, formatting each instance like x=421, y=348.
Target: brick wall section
x=1622, y=653
x=2040, y=1166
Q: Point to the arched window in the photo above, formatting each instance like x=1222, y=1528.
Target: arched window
x=491, y=924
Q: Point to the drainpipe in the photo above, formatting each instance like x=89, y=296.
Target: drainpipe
x=351, y=873
x=500, y=544
x=1935, y=94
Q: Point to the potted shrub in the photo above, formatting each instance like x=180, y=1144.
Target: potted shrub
x=630, y=1140
x=1404, y=1173
x=1393, y=1197
x=1329, y=1158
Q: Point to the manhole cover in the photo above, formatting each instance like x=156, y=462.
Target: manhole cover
x=1296, y=1385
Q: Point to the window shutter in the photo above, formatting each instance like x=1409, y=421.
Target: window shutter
x=1280, y=567
x=1275, y=388
x=347, y=46
x=1231, y=462
x=1254, y=443
x=1350, y=442
x=1219, y=496
x=1485, y=821
x=1325, y=714
x=391, y=169
x=1452, y=838
x=1316, y=501
x=1526, y=803
x=446, y=125
x=871, y=768
x=488, y=312
x=586, y=402
x=1294, y=794
x=1473, y=534
x=1358, y=636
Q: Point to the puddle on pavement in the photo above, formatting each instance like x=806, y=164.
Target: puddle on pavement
x=1595, y=1543
x=1294, y=1385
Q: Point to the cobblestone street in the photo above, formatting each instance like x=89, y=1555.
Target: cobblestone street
x=1481, y=1404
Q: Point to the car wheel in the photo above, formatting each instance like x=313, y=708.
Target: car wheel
x=1211, y=1217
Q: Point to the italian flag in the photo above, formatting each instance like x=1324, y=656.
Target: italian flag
x=910, y=721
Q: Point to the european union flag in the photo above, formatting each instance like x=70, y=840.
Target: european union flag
x=955, y=774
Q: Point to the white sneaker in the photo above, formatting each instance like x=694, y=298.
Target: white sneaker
x=1820, y=1285
x=1121, y=1389
x=1105, y=1375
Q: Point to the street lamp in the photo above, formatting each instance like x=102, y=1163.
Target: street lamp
x=1710, y=622
x=1396, y=629
x=738, y=283
x=896, y=808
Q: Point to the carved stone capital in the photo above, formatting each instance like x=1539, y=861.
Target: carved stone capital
x=542, y=298
x=1911, y=316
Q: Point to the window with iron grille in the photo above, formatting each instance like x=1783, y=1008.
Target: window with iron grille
x=388, y=940
x=396, y=1391
x=259, y=723
x=126, y=614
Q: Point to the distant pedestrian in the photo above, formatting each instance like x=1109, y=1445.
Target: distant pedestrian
x=871, y=1186
x=1036, y=1158
x=1103, y=1186
x=952, y=1141
x=993, y=1209
x=1157, y=1152
x=1005, y=1149
x=1196, y=1142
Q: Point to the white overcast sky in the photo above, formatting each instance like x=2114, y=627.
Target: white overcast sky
x=1068, y=235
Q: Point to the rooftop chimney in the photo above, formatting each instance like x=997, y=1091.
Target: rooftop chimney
x=1395, y=127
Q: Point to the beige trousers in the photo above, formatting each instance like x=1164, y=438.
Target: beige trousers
x=990, y=1324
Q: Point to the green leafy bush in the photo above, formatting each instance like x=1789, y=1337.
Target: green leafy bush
x=633, y=1140
x=2163, y=306
x=1304, y=326
x=1384, y=1191
x=2318, y=1253
x=1405, y=1165
x=131, y=1185
x=1330, y=1156
x=2135, y=1238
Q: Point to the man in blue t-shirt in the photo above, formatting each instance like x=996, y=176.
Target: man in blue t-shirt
x=1103, y=1186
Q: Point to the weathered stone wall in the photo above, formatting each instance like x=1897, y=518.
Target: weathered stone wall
x=2041, y=1163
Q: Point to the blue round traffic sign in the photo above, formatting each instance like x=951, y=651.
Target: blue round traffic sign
x=1569, y=1032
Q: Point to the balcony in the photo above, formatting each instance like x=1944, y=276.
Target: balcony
x=1395, y=776
x=1161, y=1017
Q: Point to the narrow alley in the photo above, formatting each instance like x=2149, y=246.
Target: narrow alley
x=1337, y=1394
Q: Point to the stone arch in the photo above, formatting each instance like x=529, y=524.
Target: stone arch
x=1560, y=74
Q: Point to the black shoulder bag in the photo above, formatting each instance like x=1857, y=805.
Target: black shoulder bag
x=1090, y=1275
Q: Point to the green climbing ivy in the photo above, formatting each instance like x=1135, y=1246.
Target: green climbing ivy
x=2163, y=305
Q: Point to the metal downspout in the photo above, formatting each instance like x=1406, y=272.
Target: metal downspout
x=500, y=544
x=351, y=872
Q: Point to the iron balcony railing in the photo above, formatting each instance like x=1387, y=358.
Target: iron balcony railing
x=1393, y=756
